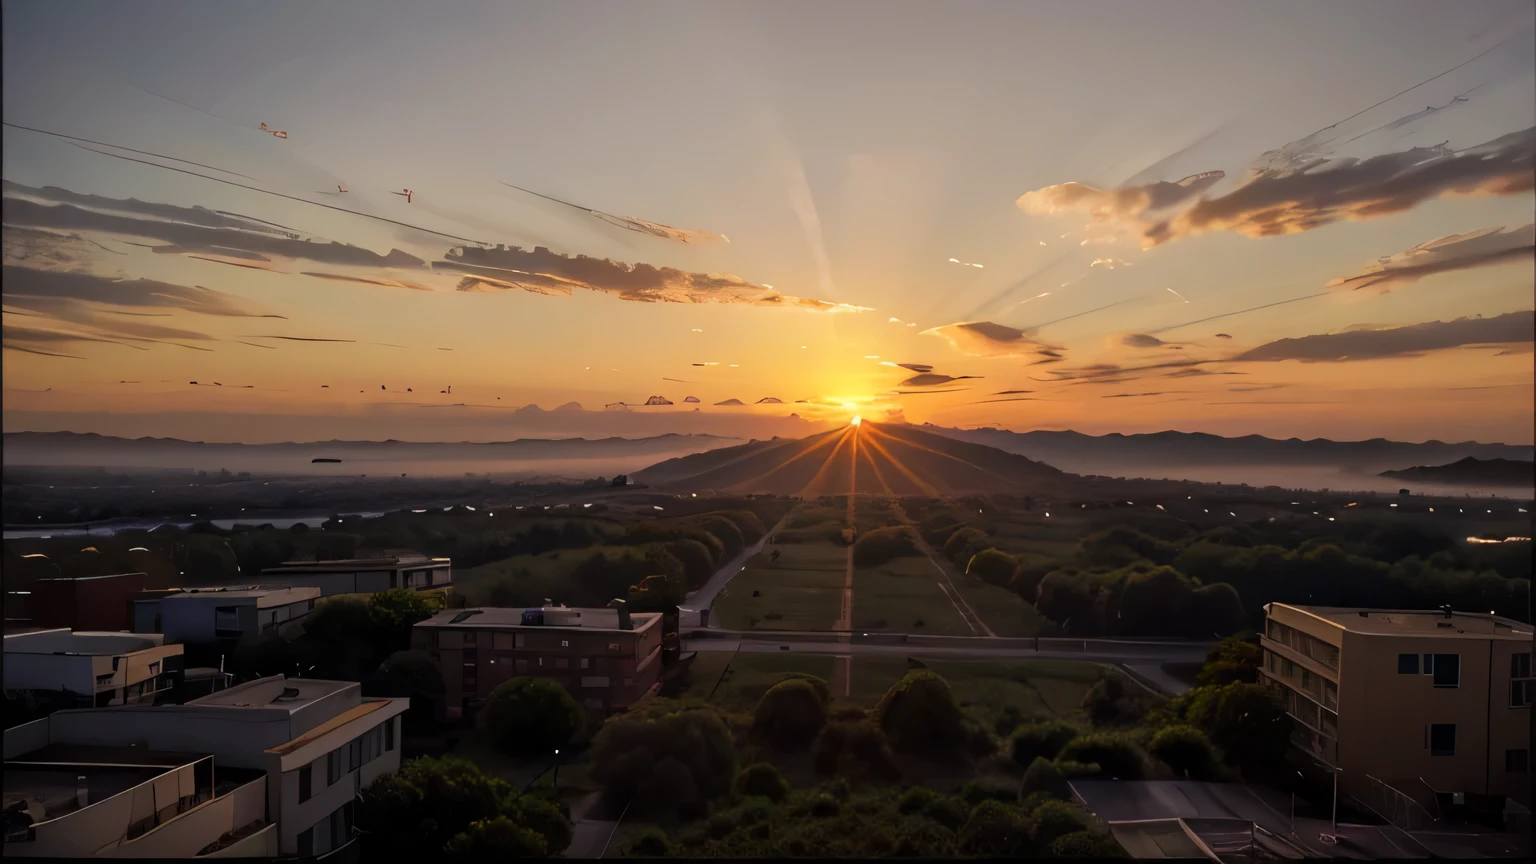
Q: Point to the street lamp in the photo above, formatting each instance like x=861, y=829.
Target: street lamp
x=557, y=771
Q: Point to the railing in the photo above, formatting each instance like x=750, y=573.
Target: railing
x=1395, y=806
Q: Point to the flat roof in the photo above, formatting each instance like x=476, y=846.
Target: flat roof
x=274, y=692
x=86, y=643
x=1417, y=622
x=272, y=595
x=87, y=578
x=330, y=725
x=108, y=755
x=389, y=562
x=496, y=618
x=50, y=791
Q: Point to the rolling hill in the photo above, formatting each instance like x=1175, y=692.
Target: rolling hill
x=873, y=458
x=1487, y=472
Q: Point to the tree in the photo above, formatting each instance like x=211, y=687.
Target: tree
x=996, y=829
x=491, y=840
x=964, y=542
x=531, y=716
x=790, y=715
x=1109, y=702
x=1042, y=740
x=657, y=593
x=763, y=780
x=412, y=674
x=698, y=566
x=992, y=566
x=416, y=813
x=669, y=756
x=1186, y=750
x=1044, y=776
x=1153, y=602
x=1054, y=819
x=394, y=612
x=884, y=544
x=1216, y=609
x=1245, y=721
x=1116, y=756
x=855, y=748
x=1086, y=844
x=919, y=714
x=339, y=640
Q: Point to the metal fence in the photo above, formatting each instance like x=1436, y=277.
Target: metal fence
x=1395, y=806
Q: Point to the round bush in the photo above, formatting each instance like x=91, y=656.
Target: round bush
x=1055, y=819
x=1116, y=757
x=915, y=799
x=1085, y=844
x=876, y=547
x=991, y=789
x=919, y=714
x=1044, y=776
x=1186, y=750
x=762, y=780
x=992, y=566
x=531, y=716
x=1040, y=740
x=651, y=843
x=995, y=829
x=790, y=715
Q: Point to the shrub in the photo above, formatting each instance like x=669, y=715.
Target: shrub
x=1115, y=756
x=992, y=566
x=1218, y=609
x=1041, y=740
x=919, y=714
x=923, y=838
x=762, y=780
x=915, y=799
x=669, y=756
x=531, y=716
x=823, y=690
x=991, y=789
x=495, y=839
x=1086, y=844
x=1109, y=701
x=964, y=543
x=823, y=806
x=698, y=565
x=876, y=547
x=1045, y=776
x=651, y=843
x=790, y=715
x=1055, y=819
x=857, y=749
x=995, y=829
x=1186, y=750
x=1245, y=721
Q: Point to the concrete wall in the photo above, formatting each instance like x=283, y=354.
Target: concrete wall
x=50, y=672
x=187, y=834
x=262, y=844
x=1508, y=728
x=25, y=738
x=100, y=827
x=236, y=737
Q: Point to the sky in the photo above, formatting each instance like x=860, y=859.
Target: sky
x=1304, y=219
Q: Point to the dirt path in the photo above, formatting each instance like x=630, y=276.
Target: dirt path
x=704, y=598
x=946, y=584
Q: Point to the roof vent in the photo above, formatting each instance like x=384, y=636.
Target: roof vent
x=463, y=616
x=288, y=693
x=625, y=622
x=1446, y=610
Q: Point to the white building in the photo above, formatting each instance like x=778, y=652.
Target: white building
x=102, y=669
x=212, y=614
x=366, y=575
x=315, y=745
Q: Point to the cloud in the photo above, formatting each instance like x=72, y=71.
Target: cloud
x=1411, y=341
x=1281, y=199
x=362, y=280
x=1141, y=340
x=20, y=283
x=1484, y=248
x=986, y=339
x=929, y=379
x=1109, y=263
x=543, y=271
x=1114, y=211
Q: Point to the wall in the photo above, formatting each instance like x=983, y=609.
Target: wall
x=84, y=604
x=295, y=816
x=1509, y=728
x=187, y=834
x=50, y=672
x=25, y=738
x=236, y=737
x=101, y=826
x=262, y=844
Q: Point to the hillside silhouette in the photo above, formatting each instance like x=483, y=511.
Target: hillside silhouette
x=1492, y=472
x=869, y=458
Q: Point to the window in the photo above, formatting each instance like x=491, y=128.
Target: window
x=226, y=621
x=389, y=735
x=522, y=640
x=585, y=663
x=355, y=754
x=1520, y=665
x=1407, y=664
x=1520, y=694
x=306, y=781
x=565, y=643
x=103, y=680
x=333, y=767
x=469, y=637
x=613, y=646
x=339, y=826
x=522, y=664
x=1517, y=761
x=1447, y=670
x=306, y=843
x=562, y=663
x=1429, y=665
x=1442, y=739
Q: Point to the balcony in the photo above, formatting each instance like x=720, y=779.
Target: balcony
x=1315, y=745
x=1311, y=647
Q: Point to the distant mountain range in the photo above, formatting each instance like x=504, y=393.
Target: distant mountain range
x=1118, y=454
x=891, y=459
x=1472, y=471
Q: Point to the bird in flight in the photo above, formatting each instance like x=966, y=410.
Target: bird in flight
x=406, y=195
x=273, y=132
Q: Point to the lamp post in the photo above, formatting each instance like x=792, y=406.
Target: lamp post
x=557, y=772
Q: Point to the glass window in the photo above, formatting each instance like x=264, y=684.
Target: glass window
x=1407, y=664
x=1520, y=694
x=338, y=828
x=1517, y=761
x=585, y=663
x=1442, y=739
x=1520, y=665
x=565, y=643
x=1447, y=670
x=333, y=767
x=389, y=735
x=306, y=843
x=305, y=783
x=1429, y=665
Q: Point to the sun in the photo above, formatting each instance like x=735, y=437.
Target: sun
x=857, y=419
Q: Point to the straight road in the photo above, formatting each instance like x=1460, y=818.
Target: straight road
x=704, y=598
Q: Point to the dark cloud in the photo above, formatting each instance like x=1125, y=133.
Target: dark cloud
x=1141, y=340
x=1457, y=252
x=1411, y=341
x=543, y=271
x=1223, y=336
x=362, y=280
x=987, y=339
x=19, y=283
x=933, y=380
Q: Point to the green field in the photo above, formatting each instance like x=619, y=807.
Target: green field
x=547, y=570
x=800, y=591
x=898, y=594
x=734, y=681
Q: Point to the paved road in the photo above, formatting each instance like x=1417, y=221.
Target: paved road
x=704, y=598
x=1102, y=651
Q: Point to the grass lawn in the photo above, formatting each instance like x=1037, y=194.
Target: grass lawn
x=548, y=569
x=801, y=591
x=1004, y=611
x=986, y=688
x=898, y=594
x=734, y=681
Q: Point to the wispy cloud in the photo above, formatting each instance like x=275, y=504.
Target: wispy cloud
x=988, y=339
x=1411, y=341
x=1484, y=248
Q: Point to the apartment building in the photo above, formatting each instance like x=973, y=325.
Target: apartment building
x=311, y=745
x=366, y=575
x=99, y=669
x=222, y=613
x=1434, y=705
x=608, y=659
x=95, y=603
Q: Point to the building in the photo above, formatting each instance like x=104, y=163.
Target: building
x=224, y=613
x=97, y=603
x=98, y=669
x=310, y=745
x=383, y=571
x=1411, y=709
x=608, y=658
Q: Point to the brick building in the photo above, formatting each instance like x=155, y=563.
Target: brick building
x=608, y=659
